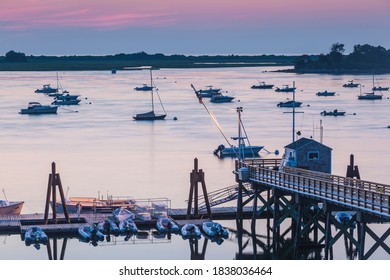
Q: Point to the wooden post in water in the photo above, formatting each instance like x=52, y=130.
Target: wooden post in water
x=55, y=180
x=352, y=169
x=197, y=176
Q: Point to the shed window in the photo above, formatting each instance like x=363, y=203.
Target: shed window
x=314, y=155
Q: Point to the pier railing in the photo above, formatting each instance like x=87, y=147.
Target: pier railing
x=351, y=193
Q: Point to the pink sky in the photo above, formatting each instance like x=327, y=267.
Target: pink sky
x=228, y=18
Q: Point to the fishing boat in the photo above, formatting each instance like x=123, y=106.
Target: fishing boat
x=350, y=84
x=190, y=231
x=335, y=113
x=127, y=227
x=262, y=85
x=151, y=115
x=167, y=225
x=215, y=229
x=108, y=227
x=145, y=87
x=36, y=108
x=285, y=88
x=35, y=235
x=46, y=89
x=89, y=233
x=289, y=104
x=220, y=98
x=325, y=93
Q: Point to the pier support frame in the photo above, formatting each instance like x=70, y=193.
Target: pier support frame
x=196, y=177
x=53, y=183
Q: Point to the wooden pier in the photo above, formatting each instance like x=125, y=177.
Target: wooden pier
x=308, y=201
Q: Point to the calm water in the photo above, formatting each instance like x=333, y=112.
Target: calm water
x=100, y=149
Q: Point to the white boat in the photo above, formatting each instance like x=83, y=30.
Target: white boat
x=351, y=84
x=370, y=96
x=219, y=98
x=215, y=229
x=234, y=151
x=151, y=115
x=46, y=89
x=285, y=88
x=11, y=207
x=89, y=233
x=35, y=235
x=36, y=108
x=289, y=104
x=167, y=225
x=190, y=231
x=67, y=96
x=325, y=93
x=209, y=92
x=145, y=87
x=66, y=101
x=121, y=214
x=335, y=113
x=262, y=85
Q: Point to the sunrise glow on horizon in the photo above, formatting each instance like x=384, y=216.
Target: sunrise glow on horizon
x=218, y=20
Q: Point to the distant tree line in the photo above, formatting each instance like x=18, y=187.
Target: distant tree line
x=13, y=56
x=363, y=58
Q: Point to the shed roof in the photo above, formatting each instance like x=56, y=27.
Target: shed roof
x=303, y=142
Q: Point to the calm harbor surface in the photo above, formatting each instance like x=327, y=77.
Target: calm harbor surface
x=99, y=149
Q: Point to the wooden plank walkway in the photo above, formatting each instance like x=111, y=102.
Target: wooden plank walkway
x=352, y=194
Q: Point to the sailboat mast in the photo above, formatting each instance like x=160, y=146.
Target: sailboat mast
x=151, y=85
x=293, y=124
x=240, y=146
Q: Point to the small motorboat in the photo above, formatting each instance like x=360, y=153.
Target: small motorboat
x=190, y=231
x=380, y=88
x=36, y=108
x=285, y=88
x=47, y=89
x=209, y=92
x=11, y=207
x=167, y=225
x=325, y=93
x=66, y=96
x=128, y=227
x=108, y=227
x=219, y=98
x=35, y=235
x=121, y=214
x=89, y=233
x=344, y=218
x=289, y=104
x=214, y=229
x=335, y=113
x=234, y=151
x=350, y=84
x=262, y=85
x=145, y=87
x=66, y=101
